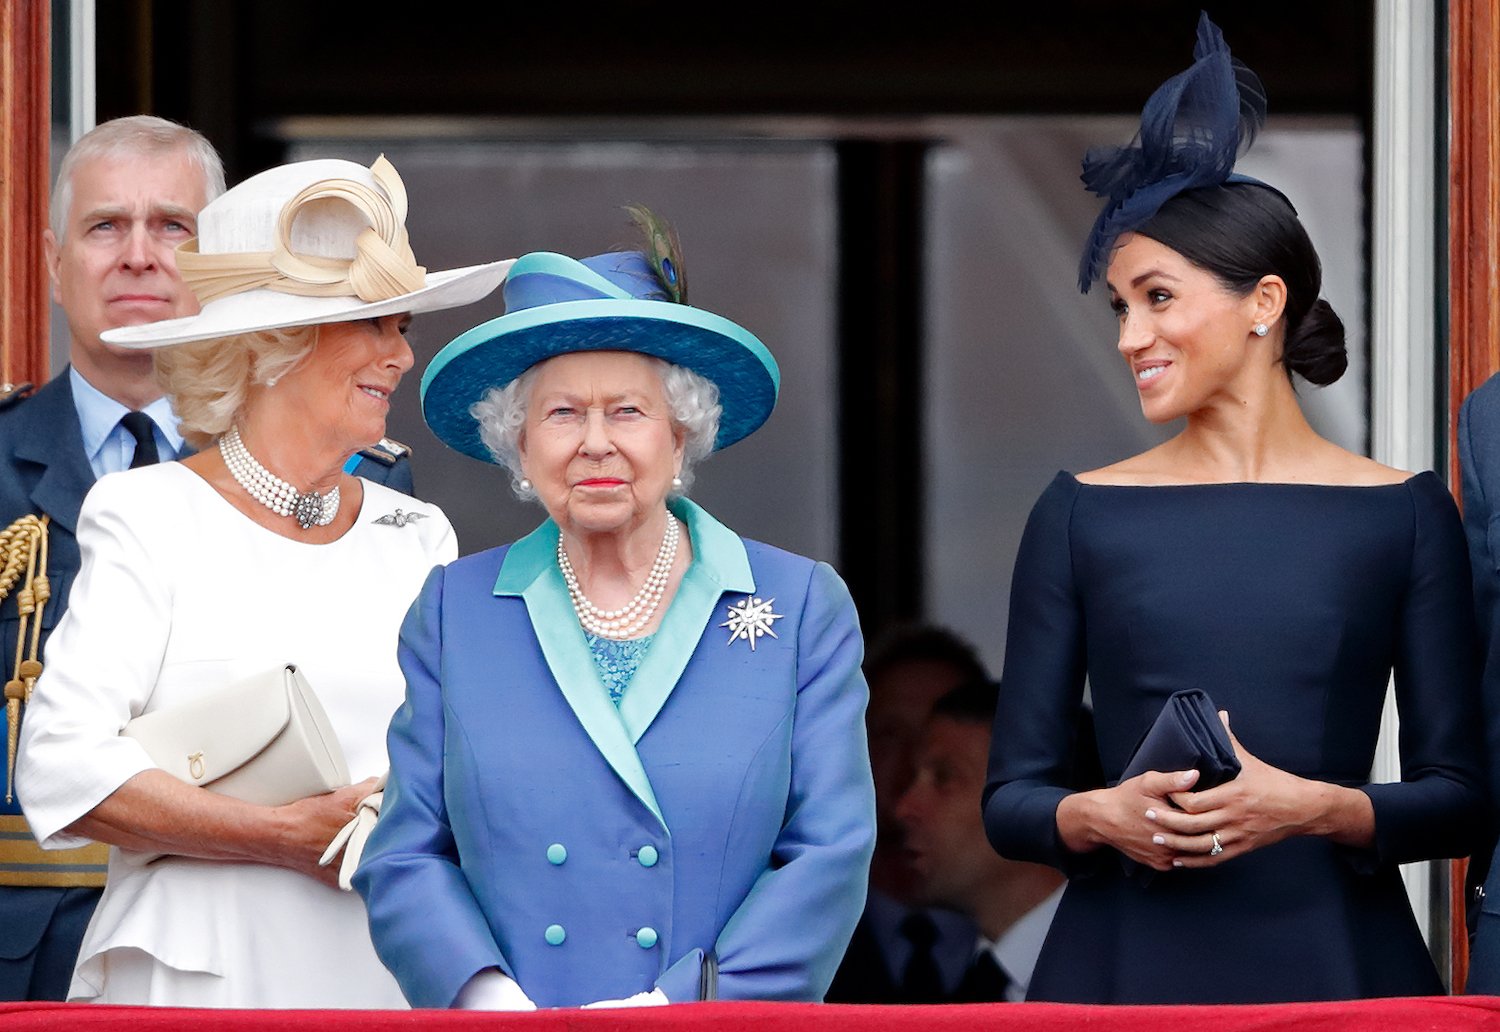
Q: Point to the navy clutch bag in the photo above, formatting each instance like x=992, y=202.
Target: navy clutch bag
x=1187, y=735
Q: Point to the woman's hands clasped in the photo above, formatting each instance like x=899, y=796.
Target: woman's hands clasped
x=1116, y=817
x=1260, y=807
x=1157, y=820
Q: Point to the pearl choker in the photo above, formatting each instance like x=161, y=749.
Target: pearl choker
x=310, y=509
x=629, y=619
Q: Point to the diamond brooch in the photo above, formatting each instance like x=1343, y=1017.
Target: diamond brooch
x=750, y=619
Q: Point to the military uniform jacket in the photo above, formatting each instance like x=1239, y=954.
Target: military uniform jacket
x=721, y=820
x=43, y=470
x=1479, y=463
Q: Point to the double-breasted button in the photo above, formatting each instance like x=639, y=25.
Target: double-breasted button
x=646, y=937
x=556, y=853
x=555, y=935
x=647, y=855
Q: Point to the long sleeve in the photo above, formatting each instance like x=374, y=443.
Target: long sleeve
x=101, y=665
x=426, y=925
x=1036, y=720
x=785, y=939
x=1439, y=808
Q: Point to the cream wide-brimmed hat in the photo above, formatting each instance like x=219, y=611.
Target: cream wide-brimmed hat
x=306, y=243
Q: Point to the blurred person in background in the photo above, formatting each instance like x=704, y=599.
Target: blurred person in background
x=1010, y=902
x=904, y=952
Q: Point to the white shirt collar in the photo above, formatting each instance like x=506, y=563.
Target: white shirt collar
x=1019, y=946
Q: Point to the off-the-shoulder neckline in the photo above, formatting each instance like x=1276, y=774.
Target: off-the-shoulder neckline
x=1255, y=483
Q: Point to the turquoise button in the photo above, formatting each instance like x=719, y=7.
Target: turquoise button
x=646, y=938
x=555, y=935
x=648, y=856
x=557, y=853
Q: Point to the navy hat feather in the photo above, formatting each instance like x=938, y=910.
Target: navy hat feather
x=1192, y=129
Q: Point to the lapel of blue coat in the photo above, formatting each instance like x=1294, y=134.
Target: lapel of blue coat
x=530, y=571
x=49, y=436
x=719, y=565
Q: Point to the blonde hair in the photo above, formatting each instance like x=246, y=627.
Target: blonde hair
x=208, y=381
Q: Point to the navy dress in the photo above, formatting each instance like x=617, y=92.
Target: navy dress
x=1290, y=605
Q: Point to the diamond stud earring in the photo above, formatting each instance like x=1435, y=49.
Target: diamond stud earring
x=1261, y=329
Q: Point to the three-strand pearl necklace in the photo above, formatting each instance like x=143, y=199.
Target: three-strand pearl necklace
x=629, y=619
x=310, y=509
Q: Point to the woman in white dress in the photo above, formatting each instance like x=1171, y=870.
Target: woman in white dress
x=257, y=551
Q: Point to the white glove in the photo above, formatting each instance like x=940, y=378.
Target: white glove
x=655, y=998
x=492, y=990
x=352, y=836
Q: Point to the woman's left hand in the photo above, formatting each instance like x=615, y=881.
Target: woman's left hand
x=653, y=998
x=1260, y=807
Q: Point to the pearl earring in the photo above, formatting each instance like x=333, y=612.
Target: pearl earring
x=677, y=483
x=524, y=485
x=1261, y=329
x=271, y=382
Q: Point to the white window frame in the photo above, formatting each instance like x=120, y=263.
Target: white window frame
x=1403, y=319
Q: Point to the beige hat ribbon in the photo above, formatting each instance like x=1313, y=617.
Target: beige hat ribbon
x=382, y=268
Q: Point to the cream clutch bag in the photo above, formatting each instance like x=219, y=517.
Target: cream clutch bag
x=264, y=740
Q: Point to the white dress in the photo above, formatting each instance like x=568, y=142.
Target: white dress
x=180, y=592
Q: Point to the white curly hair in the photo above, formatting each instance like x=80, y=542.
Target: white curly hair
x=692, y=400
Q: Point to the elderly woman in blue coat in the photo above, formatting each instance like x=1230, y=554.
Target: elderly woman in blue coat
x=631, y=765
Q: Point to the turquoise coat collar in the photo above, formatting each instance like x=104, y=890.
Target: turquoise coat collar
x=530, y=571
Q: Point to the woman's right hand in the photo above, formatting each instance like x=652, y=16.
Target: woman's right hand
x=492, y=990
x=308, y=825
x=1118, y=817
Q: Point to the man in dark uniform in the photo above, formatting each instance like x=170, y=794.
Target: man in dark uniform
x=1011, y=903
x=128, y=192
x=900, y=952
x=1479, y=464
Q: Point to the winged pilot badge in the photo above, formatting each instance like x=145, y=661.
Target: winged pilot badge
x=400, y=518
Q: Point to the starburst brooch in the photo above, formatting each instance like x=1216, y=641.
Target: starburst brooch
x=750, y=619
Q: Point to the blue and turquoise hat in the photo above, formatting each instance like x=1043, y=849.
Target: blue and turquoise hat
x=556, y=305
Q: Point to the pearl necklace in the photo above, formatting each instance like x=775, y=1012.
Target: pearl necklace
x=310, y=509
x=629, y=619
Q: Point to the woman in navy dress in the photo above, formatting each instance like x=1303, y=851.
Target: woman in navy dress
x=1249, y=557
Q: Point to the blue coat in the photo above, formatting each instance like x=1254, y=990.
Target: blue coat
x=44, y=470
x=724, y=812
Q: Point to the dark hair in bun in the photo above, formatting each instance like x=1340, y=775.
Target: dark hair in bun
x=1241, y=232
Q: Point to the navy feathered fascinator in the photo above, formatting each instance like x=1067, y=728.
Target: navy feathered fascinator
x=1192, y=129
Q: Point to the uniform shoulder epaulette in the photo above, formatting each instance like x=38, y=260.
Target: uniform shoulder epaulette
x=11, y=393
x=387, y=451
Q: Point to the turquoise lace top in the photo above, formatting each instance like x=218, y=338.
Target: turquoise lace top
x=617, y=661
